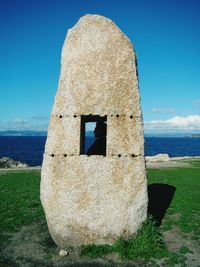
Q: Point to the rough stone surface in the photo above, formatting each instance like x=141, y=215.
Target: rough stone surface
x=95, y=199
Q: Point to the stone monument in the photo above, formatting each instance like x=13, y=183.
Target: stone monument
x=95, y=196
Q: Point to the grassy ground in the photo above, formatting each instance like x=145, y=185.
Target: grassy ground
x=174, y=202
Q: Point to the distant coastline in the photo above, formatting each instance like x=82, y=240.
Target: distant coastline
x=196, y=136
x=91, y=134
x=23, y=133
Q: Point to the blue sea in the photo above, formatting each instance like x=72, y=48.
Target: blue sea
x=29, y=149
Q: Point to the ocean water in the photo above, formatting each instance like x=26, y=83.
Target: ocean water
x=29, y=149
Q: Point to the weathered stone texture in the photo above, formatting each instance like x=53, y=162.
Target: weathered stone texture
x=98, y=66
x=95, y=199
x=63, y=136
x=125, y=136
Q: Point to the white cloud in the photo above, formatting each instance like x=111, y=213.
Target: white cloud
x=19, y=121
x=159, y=110
x=156, y=110
x=197, y=101
x=39, y=118
x=177, y=123
x=174, y=124
x=19, y=124
x=169, y=110
x=90, y=126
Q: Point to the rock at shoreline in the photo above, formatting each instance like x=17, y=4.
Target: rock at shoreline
x=158, y=157
x=165, y=157
x=6, y=162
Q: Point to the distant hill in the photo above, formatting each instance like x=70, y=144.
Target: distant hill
x=91, y=134
x=196, y=135
x=170, y=134
x=23, y=133
x=33, y=133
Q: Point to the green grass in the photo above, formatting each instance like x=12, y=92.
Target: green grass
x=184, y=250
x=186, y=199
x=144, y=246
x=20, y=205
x=144, y=249
x=20, y=202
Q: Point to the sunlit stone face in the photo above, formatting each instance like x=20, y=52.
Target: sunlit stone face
x=99, y=194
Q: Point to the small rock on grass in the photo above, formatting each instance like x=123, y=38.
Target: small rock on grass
x=63, y=253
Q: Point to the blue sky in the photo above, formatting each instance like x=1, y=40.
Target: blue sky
x=166, y=37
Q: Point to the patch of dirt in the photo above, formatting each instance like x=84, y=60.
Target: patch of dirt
x=175, y=216
x=175, y=240
x=32, y=246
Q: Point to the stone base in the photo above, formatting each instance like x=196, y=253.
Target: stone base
x=93, y=199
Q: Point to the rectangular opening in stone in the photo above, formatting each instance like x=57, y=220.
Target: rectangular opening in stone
x=93, y=135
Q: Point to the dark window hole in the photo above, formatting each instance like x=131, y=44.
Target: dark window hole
x=119, y=155
x=93, y=135
x=60, y=116
x=117, y=115
x=131, y=116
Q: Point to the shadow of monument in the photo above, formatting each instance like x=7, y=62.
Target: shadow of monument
x=160, y=197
